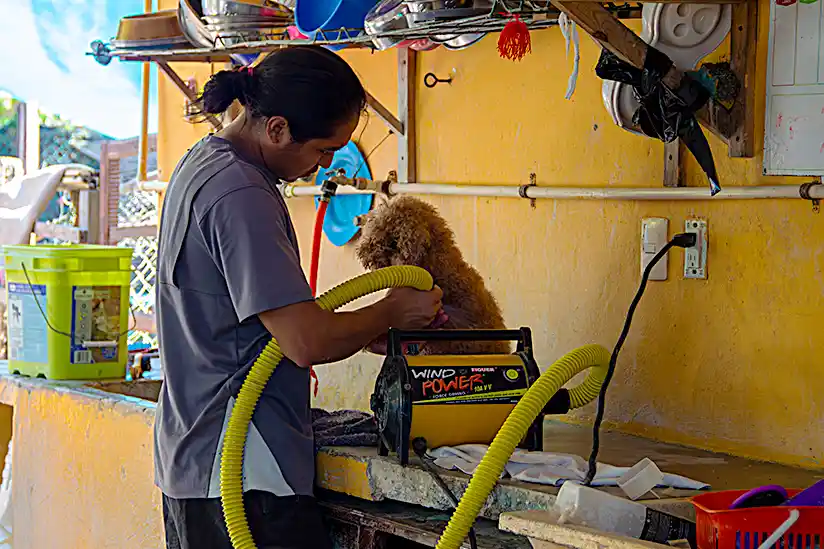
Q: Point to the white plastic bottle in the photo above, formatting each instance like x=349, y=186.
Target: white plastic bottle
x=584, y=506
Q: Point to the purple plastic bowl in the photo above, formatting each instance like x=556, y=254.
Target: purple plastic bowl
x=761, y=490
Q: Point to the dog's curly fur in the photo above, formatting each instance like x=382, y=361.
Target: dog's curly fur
x=409, y=231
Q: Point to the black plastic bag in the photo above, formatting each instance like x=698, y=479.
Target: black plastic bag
x=663, y=113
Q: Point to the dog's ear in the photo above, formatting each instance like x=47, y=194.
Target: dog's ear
x=413, y=242
x=371, y=248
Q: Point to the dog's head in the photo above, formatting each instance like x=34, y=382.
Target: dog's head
x=403, y=231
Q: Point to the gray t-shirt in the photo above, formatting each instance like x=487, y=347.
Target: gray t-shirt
x=227, y=251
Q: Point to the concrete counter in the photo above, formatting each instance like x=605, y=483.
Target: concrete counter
x=83, y=471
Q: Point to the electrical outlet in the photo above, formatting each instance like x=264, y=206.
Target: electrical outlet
x=654, y=237
x=695, y=258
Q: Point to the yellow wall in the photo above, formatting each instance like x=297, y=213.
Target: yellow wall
x=82, y=472
x=729, y=364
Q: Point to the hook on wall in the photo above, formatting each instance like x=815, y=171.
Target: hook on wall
x=430, y=80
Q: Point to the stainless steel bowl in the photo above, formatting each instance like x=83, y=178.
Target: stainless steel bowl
x=193, y=28
x=426, y=16
x=464, y=41
x=387, y=15
x=252, y=7
x=244, y=27
x=242, y=20
x=425, y=5
x=461, y=41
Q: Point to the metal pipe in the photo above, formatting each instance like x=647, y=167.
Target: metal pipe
x=814, y=192
x=152, y=186
x=143, y=147
x=577, y=193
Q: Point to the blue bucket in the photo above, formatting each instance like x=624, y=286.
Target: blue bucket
x=314, y=15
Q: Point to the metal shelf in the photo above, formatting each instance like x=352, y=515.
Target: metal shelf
x=601, y=20
x=252, y=42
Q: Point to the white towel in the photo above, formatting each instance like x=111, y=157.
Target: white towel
x=545, y=467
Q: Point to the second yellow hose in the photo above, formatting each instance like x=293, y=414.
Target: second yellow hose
x=488, y=472
x=234, y=443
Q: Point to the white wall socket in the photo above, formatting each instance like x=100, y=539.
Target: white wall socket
x=654, y=237
x=695, y=258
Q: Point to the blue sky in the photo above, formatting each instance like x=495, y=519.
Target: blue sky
x=43, y=46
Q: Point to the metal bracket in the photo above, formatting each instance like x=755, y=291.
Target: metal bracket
x=387, y=185
x=522, y=190
x=804, y=192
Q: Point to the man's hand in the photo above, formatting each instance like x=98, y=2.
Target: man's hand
x=411, y=309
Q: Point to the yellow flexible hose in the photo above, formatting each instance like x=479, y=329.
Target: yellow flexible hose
x=488, y=472
x=234, y=443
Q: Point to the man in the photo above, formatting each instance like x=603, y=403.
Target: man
x=229, y=279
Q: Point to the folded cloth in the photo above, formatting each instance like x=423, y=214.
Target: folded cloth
x=344, y=428
x=545, y=467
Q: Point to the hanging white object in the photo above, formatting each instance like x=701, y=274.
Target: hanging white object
x=686, y=33
x=569, y=30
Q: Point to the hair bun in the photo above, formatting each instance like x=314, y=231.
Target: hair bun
x=223, y=88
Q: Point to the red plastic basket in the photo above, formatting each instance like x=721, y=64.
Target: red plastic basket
x=718, y=527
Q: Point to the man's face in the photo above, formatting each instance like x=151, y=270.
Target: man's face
x=292, y=161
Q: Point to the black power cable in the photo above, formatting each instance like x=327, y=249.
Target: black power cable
x=683, y=240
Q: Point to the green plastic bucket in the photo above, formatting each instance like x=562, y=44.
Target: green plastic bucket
x=69, y=318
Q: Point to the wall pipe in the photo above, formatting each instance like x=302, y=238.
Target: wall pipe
x=152, y=186
x=807, y=191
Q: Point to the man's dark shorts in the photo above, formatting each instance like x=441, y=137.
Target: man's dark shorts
x=293, y=522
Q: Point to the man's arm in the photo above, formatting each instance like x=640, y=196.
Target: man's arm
x=247, y=233
x=310, y=335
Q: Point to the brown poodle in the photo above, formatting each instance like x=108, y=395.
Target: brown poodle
x=409, y=231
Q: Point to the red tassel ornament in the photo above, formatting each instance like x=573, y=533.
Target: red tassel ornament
x=514, y=42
